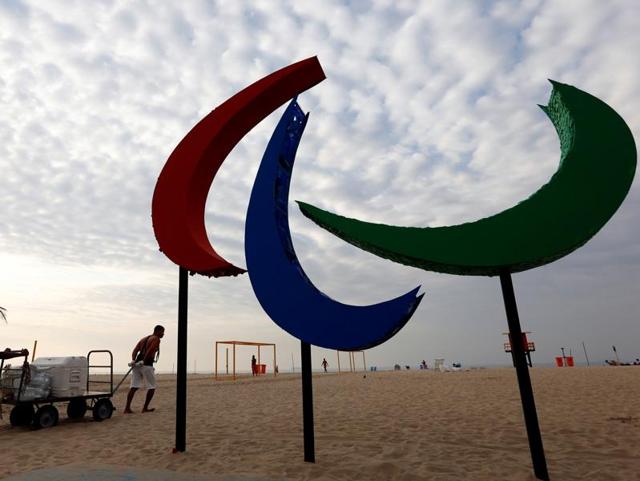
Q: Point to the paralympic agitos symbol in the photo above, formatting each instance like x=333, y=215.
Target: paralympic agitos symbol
x=596, y=170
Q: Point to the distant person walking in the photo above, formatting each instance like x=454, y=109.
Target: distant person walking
x=253, y=365
x=324, y=364
x=146, y=352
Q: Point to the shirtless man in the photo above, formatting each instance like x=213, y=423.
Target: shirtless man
x=145, y=352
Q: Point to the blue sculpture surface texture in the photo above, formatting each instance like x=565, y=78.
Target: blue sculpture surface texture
x=279, y=282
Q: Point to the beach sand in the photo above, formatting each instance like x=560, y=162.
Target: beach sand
x=409, y=425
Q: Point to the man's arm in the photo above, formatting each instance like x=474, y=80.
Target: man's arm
x=135, y=351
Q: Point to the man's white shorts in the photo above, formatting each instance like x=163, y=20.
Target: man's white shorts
x=143, y=376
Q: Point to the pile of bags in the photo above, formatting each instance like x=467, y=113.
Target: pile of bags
x=39, y=386
x=36, y=383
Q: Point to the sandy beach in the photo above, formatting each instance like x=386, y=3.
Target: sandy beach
x=409, y=425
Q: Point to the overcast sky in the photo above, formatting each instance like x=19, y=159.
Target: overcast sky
x=427, y=117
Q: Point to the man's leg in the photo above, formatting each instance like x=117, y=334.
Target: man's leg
x=136, y=382
x=132, y=392
x=147, y=400
x=150, y=380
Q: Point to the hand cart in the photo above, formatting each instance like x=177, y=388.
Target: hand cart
x=42, y=412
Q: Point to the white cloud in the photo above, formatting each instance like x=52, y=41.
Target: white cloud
x=427, y=117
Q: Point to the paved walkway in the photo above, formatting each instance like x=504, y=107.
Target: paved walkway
x=109, y=473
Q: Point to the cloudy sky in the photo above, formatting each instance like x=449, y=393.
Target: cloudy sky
x=427, y=117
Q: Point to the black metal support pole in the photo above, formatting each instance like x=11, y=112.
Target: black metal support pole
x=181, y=394
x=524, y=381
x=307, y=403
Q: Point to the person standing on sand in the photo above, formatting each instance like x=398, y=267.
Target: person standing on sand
x=143, y=356
x=324, y=363
x=253, y=365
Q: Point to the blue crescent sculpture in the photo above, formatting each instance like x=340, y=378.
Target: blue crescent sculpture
x=279, y=282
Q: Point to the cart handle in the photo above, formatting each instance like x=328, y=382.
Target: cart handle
x=10, y=354
x=121, y=381
x=110, y=366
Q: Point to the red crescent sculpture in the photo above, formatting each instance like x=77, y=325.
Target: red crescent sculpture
x=179, y=199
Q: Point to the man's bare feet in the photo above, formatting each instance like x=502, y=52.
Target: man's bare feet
x=148, y=410
x=127, y=411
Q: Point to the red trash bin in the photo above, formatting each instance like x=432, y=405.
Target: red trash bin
x=262, y=368
x=569, y=361
x=559, y=362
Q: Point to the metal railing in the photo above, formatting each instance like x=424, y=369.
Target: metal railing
x=100, y=366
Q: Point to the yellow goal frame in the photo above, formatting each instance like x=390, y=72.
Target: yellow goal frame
x=243, y=343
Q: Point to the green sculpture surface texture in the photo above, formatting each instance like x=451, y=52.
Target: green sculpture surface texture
x=597, y=166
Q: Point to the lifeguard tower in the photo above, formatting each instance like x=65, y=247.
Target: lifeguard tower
x=527, y=345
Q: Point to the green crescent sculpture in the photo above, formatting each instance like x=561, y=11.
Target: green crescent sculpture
x=596, y=169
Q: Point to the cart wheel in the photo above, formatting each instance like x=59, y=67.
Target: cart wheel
x=76, y=408
x=46, y=417
x=21, y=415
x=103, y=409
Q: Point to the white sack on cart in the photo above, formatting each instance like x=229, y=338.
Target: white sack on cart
x=39, y=387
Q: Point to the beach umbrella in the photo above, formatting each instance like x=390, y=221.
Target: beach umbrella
x=616, y=353
x=584, y=348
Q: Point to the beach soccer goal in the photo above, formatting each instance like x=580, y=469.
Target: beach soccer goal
x=352, y=361
x=259, y=367
x=438, y=364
